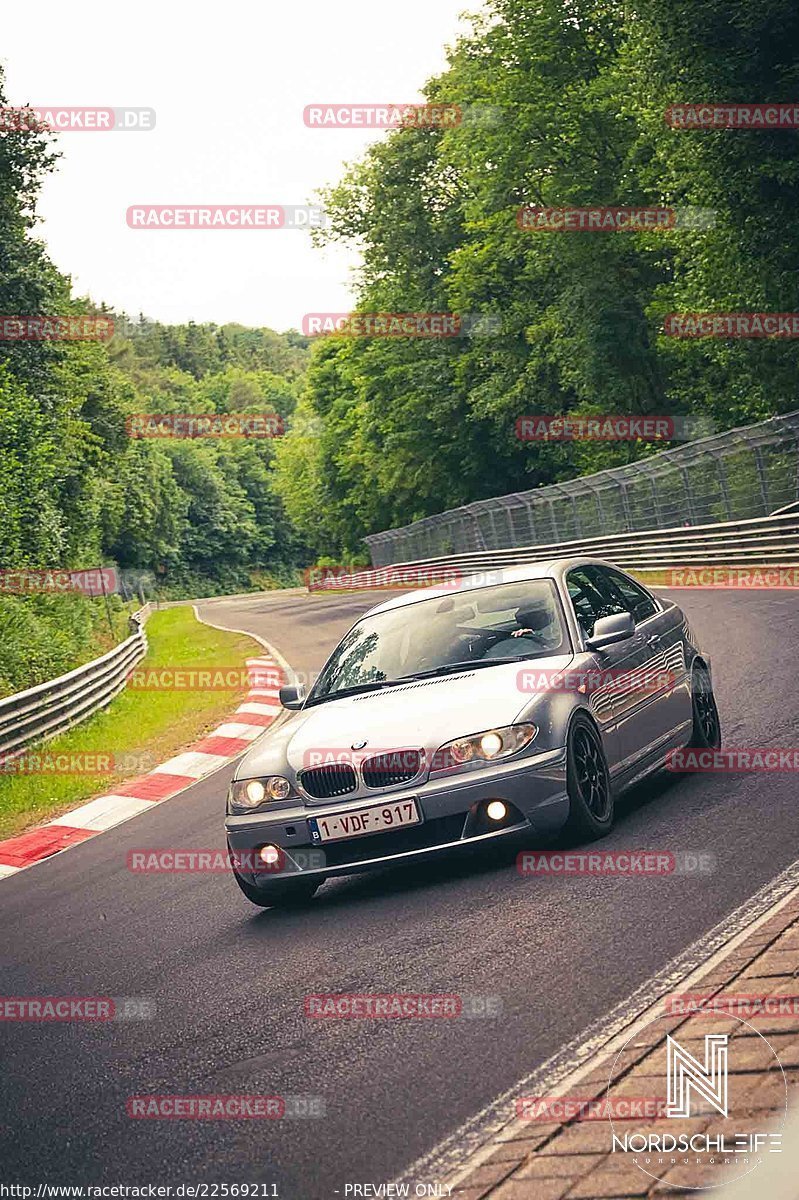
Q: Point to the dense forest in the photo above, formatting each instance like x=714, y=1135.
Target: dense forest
x=178, y=517
x=575, y=94
x=78, y=489
x=381, y=431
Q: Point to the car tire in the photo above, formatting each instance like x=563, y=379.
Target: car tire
x=290, y=894
x=706, y=731
x=591, y=803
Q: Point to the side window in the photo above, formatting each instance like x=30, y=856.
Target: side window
x=591, y=597
x=636, y=599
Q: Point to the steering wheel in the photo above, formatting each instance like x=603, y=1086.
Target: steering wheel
x=528, y=633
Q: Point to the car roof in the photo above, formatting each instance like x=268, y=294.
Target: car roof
x=552, y=568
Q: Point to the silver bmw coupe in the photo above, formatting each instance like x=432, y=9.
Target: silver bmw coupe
x=520, y=703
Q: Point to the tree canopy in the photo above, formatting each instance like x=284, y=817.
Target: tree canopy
x=574, y=95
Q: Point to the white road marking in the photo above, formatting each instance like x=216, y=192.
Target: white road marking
x=194, y=763
x=236, y=729
x=104, y=812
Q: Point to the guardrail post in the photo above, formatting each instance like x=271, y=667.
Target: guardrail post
x=723, y=484
x=479, y=540
x=107, y=605
x=655, y=503
x=689, y=498
x=531, y=525
x=761, y=476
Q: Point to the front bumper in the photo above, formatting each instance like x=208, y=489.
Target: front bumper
x=534, y=785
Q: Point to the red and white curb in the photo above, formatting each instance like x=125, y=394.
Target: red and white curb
x=254, y=715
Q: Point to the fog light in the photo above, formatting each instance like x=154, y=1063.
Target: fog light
x=496, y=810
x=269, y=855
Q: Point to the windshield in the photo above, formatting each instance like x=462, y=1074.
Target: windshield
x=484, y=627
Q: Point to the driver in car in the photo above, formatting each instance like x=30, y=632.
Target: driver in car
x=532, y=624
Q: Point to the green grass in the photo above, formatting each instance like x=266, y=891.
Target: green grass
x=152, y=724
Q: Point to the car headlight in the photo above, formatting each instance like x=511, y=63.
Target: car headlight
x=483, y=747
x=246, y=794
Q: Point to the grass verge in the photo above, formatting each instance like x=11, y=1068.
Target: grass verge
x=145, y=727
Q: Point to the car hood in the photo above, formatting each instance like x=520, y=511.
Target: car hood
x=419, y=715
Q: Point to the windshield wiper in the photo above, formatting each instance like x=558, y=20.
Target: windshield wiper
x=445, y=669
x=451, y=668
x=371, y=686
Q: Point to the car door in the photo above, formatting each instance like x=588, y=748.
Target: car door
x=661, y=625
x=590, y=600
x=644, y=705
x=621, y=700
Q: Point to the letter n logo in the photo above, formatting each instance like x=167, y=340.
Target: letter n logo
x=686, y=1072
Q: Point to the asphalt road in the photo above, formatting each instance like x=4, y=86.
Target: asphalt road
x=229, y=980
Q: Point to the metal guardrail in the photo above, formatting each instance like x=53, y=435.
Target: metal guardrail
x=732, y=476
x=53, y=707
x=763, y=541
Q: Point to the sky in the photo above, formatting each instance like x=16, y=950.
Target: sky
x=228, y=84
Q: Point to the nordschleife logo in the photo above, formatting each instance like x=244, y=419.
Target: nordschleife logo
x=699, y=1124
x=708, y=1079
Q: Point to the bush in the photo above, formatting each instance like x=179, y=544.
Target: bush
x=44, y=636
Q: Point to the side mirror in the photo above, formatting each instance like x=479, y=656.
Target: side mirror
x=610, y=630
x=292, y=695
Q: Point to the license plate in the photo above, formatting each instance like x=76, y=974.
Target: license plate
x=377, y=819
